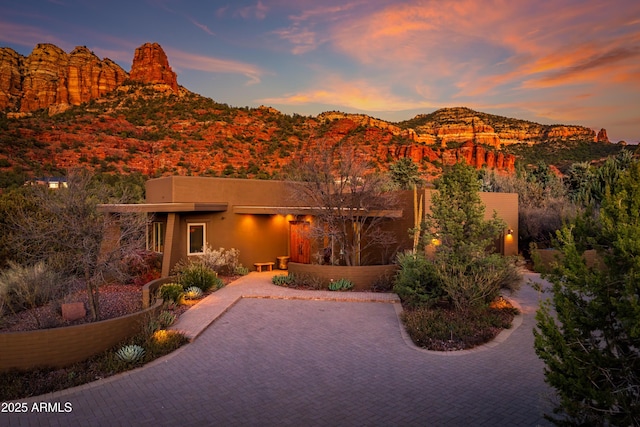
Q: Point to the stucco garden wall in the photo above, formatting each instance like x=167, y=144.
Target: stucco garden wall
x=362, y=277
x=60, y=347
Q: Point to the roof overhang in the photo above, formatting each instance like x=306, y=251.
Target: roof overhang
x=163, y=207
x=308, y=210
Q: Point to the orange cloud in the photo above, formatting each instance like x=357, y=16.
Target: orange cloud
x=493, y=43
x=357, y=94
x=215, y=65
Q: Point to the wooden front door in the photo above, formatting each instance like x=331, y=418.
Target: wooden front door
x=300, y=242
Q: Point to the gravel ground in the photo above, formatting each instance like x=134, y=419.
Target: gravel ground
x=115, y=301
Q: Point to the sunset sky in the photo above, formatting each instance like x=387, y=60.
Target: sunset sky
x=560, y=61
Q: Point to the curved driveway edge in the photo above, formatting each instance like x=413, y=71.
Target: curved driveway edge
x=258, y=285
x=313, y=362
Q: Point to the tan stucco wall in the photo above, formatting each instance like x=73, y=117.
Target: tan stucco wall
x=176, y=189
x=505, y=205
x=60, y=347
x=263, y=237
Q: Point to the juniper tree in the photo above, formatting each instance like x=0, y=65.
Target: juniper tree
x=588, y=333
x=467, y=267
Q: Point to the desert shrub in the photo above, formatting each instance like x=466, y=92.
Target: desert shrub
x=439, y=329
x=196, y=273
x=283, y=280
x=474, y=283
x=341, y=284
x=166, y=319
x=383, y=283
x=308, y=281
x=163, y=342
x=171, y=292
x=416, y=282
x=23, y=288
x=222, y=261
x=241, y=270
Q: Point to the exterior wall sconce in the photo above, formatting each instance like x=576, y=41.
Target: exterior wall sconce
x=509, y=232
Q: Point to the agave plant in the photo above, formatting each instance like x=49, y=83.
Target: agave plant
x=193, y=292
x=130, y=353
x=166, y=318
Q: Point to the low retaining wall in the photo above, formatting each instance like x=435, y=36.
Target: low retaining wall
x=59, y=347
x=149, y=290
x=362, y=277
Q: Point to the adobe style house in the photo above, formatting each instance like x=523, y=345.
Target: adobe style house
x=260, y=219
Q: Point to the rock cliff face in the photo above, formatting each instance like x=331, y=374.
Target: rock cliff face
x=460, y=125
x=150, y=65
x=602, y=136
x=11, y=65
x=51, y=78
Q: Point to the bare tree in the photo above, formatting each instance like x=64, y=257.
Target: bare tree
x=64, y=229
x=349, y=199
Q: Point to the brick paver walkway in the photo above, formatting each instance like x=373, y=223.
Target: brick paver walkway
x=284, y=357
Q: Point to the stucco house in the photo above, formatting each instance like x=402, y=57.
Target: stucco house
x=262, y=221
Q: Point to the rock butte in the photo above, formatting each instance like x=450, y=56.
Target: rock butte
x=52, y=79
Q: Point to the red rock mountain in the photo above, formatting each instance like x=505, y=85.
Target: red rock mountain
x=150, y=65
x=51, y=78
x=133, y=129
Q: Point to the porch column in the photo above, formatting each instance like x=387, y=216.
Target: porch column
x=170, y=235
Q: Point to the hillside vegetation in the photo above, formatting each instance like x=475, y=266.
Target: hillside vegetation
x=139, y=129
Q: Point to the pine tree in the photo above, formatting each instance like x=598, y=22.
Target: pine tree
x=588, y=333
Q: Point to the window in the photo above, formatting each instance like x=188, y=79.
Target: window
x=195, y=238
x=155, y=242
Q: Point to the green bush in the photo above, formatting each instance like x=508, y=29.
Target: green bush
x=197, y=274
x=163, y=342
x=416, y=282
x=341, y=284
x=166, y=319
x=171, y=292
x=475, y=283
x=283, y=280
x=241, y=270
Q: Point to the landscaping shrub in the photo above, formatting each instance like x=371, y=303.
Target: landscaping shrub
x=341, y=284
x=474, y=283
x=283, y=280
x=196, y=273
x=416, y=282
x=222, y=261
x=25, y=288
x=301, y=281
x=441, y=330
x=307, y=281
x=241, y=270
x=163, y=342
x=166, y=319
x=171, y=292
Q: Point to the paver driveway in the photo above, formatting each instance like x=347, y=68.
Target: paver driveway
x=310, y=362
